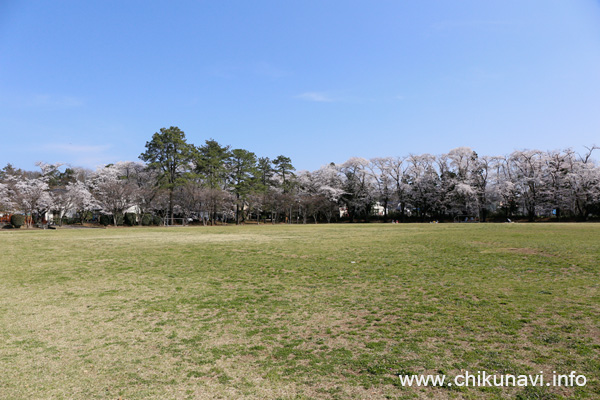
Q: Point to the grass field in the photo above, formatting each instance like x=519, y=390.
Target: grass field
x=297, y=312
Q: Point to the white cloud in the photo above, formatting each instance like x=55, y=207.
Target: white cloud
x=226, y=72
x=262, y=69
x=269, y=70
x=80, y=155
x=443, y=25
x=325, y=97
x=318, y=97
x=56, y=101
x=69, y=148
x=42, y=100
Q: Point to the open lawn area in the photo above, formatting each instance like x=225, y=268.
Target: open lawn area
x=297, y=312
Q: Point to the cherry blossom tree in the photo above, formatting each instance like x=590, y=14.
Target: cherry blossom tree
x=5, y=200
x=112, y=191
x=358, y=187
x=424, y=183
x=527, y=167
x=583, y=181
x=31, y=197
x=380, y=171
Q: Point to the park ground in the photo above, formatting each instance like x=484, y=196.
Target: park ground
x=297, y=312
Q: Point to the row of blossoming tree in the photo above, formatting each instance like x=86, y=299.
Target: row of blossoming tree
x=212, y=183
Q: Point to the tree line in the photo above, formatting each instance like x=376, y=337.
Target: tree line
x=212, y=183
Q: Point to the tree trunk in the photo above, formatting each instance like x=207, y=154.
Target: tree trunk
x=170, y=206
x=385, y=210
x=237, y=209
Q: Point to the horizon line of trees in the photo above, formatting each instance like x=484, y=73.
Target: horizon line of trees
x=213, y=183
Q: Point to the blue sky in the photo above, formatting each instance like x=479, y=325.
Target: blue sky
x=89, y=82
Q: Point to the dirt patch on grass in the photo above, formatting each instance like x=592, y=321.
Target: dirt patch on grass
x=183, y=238
x=492, y=248
x=528, y=251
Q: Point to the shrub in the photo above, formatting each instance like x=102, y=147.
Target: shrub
x=85, y=216
x=130, y=219
x=147, y=219
x=69, y=221
x=120, y=219
x=17, y=220
x=156, y=220
x=105, y=220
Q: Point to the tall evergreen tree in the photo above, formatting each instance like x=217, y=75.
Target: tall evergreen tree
x=243, y=170
x=284, y=168
x=211, y=165
x=169, y=154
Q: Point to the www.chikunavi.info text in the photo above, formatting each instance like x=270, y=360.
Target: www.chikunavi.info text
x=484, y=379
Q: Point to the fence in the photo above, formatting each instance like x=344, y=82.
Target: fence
x=176, y=222
x=5, y=219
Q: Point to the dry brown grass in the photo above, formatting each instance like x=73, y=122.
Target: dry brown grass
x=267, y=312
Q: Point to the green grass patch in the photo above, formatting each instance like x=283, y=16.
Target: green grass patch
x=297, y=312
